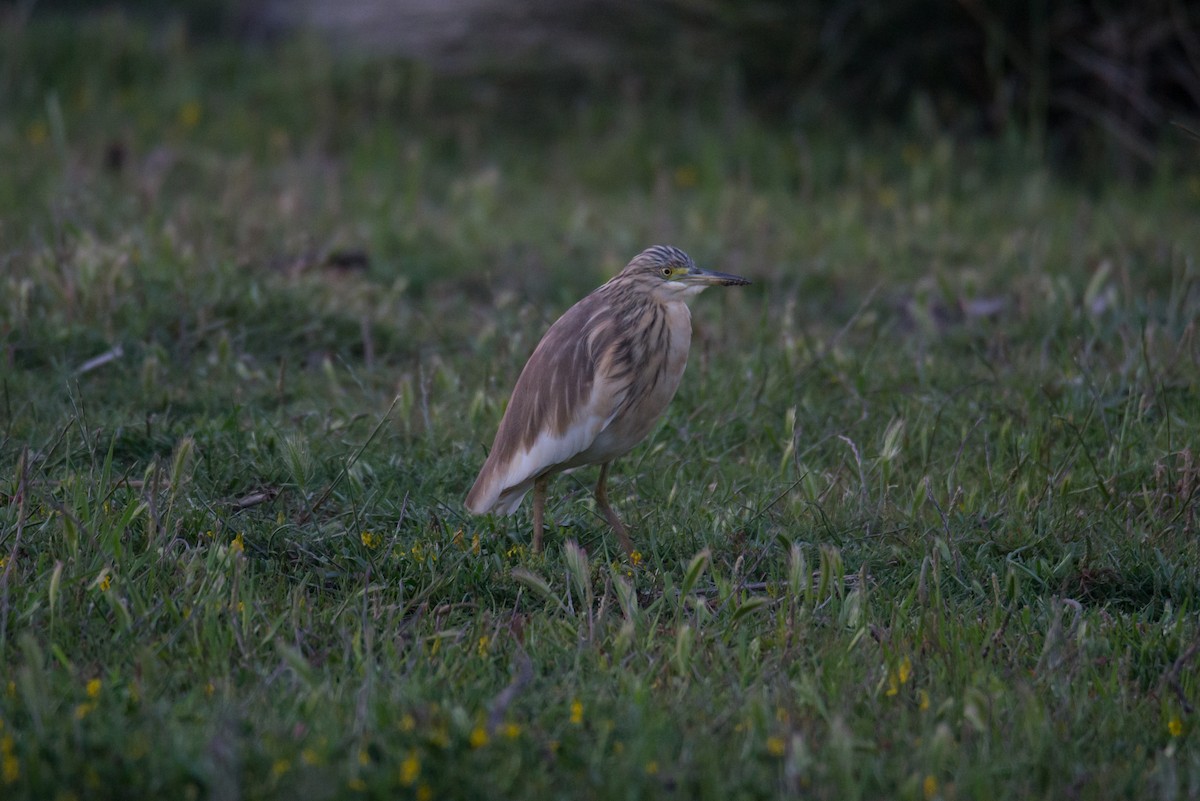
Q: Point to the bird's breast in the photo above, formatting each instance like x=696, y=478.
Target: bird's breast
x=656, y=350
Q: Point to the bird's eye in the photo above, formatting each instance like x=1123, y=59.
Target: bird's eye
x=666, y=271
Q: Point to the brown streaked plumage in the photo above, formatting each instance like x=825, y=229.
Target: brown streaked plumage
x=596, y=384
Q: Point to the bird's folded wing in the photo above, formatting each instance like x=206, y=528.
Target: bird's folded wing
x=560, y=404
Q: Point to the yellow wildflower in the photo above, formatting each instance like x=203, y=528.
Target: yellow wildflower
x=776, y=746
x=1175, y=726
x=370, y=539
x=899, y=676
x=511, y=730
x=424, y=793
x=105, y=583
x=652, y=767
x=189, y=114
x=686, y=176
x=479, y=737
x=280, y=767
x=922, y=700
x=37, y=133
x=636, y=558
x=93, y=688
x=209, y=689
x=239, y=543
x=475, y=545
x=10, y=768
x=3, y=562
x=440, y=737
x=576, y=712
x=309, y=757
x=10, y=765
x=484, y=642
x=930, y=787
x=410, y=769
x=364, y=758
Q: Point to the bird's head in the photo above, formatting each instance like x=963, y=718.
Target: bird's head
x=670, y=274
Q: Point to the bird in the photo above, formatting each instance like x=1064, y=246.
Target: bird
x=596, y=385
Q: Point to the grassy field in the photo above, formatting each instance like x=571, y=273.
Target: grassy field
x=921, y=523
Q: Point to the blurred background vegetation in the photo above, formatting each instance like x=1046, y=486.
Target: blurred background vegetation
x=1094, y=86
x=268, y=270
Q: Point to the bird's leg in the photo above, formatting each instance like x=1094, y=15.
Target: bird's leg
x=539, y=506
x=609, y=513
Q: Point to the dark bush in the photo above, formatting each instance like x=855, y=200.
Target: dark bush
x=1088, y=78
x=1088, y=82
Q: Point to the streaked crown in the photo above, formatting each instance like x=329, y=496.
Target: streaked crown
x=653, y=260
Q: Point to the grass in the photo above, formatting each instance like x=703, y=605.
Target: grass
x=921, y=522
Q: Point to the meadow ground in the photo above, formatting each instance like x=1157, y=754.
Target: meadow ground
x=921, y=522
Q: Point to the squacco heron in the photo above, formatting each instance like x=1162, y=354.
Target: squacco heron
x=595, y=385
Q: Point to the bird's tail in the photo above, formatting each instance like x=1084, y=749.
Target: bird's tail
x=486, y=497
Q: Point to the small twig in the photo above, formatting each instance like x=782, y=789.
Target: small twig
x=1171, y=677
x=503, y=700
x=403, y=512
x=110, y=355
x=752, y=586
x=850, y=323
x=349, y=463
x=256, y=498
x=929, y=497
x=443, y=610
x=1192, y=132
x=776, y=499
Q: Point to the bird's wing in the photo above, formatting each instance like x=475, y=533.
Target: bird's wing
x=560, y=404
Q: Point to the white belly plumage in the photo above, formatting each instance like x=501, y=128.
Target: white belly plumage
x=605, y=428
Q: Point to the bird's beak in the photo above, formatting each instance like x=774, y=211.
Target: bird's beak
x=713, y=278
